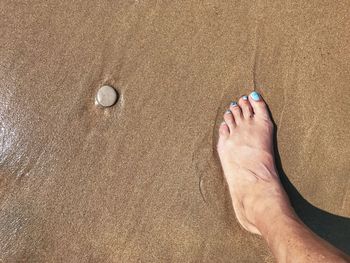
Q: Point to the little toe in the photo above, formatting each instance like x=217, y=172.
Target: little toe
x=224, y=130
x=259, y=106
x=236, y=112
x=229, y=120
x=247, y=109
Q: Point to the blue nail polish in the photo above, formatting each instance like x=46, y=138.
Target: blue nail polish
x=227, y=111
x=233, y=104
x=255, y=96
x=245, y=97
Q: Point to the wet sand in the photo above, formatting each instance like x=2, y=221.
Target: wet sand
x=140, y=181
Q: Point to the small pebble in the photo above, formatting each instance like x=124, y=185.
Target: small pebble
x=106, y=96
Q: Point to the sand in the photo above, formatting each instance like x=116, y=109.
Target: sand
x=141, y=181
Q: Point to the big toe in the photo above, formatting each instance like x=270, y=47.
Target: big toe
x=259, y=106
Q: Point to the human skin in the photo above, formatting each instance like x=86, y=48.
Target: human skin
x=261, y=205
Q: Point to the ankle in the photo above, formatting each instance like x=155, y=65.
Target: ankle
x=273, y=209
x=275, y=222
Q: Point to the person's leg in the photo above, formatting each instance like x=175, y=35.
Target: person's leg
x=261, y=205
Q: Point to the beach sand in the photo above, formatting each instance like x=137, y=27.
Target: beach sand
x=141, y=181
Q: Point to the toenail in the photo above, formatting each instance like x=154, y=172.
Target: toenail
x=255, y=96
x=106, y=96
x=245, y=97
x=233, y=104
x=227, y=112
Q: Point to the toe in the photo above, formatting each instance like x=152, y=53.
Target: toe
x=229, y=120
x=247, y=109
x=258, y=105
x=224, y=130
x=236, y=112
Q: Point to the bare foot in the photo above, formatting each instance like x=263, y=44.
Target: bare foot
x=245, y=149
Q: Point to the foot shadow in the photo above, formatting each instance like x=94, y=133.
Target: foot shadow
x=333, y=228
